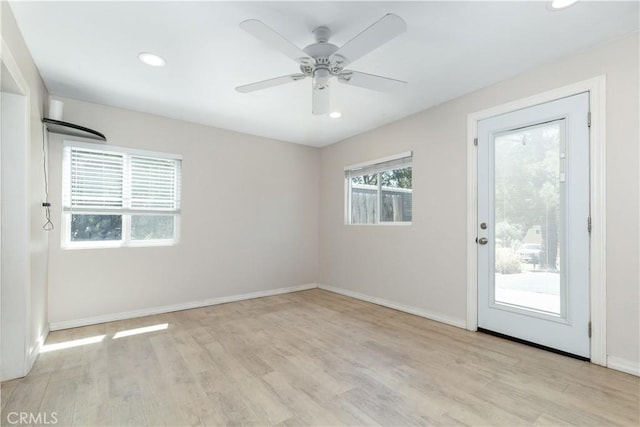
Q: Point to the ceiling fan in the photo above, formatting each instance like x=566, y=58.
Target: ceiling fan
x=322, y=60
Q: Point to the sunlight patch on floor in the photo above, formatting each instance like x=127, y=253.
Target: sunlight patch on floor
x=70, y=344
x=143, y=330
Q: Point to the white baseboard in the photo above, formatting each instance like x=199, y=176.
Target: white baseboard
x=460, y=323
x=624, y=365
x=35, y=351
x=613, y=362
x=67, y=324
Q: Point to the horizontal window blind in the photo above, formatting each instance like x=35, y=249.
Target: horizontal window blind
x=155, y=184
x=374, y=168
x=105, y=181
x=93, y=180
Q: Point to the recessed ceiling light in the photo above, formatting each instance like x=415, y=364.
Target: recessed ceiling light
x=335, y=115
x=152, y=59
x=561, y=4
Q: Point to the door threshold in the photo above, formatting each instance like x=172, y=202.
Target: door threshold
x=533, y=344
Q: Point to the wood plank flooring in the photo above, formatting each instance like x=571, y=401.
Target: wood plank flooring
x=313, y=358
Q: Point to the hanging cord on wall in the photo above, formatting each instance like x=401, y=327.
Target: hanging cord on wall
x=48, y=226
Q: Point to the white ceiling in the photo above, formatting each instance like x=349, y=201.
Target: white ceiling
x=88, y=51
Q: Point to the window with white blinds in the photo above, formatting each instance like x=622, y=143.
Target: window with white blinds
x=116, y=196
x=380, y=191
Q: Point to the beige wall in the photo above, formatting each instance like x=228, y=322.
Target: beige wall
x=249, y=220
x=423, y=265
x=38, y=238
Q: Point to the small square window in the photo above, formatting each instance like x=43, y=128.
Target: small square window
x=380, y=192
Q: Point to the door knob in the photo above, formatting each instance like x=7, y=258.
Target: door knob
x=483, y=241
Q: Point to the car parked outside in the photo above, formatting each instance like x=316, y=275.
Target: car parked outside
x=530, y=253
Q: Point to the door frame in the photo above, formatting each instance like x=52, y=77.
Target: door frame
x=22, y=360
x=597, y=192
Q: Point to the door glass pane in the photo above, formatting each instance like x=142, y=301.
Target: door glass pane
x=528, y=206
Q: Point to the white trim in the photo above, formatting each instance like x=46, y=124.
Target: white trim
x=117, y=149
x=384, y=188
x=598, y=181
x=124, y=211
x=12, y=66
x=376, y=224
x=380, y=160
x=472, y=221
x=597, y=90
x=624, y=365
x=438, y=317
x=8, y=59
x=115, y=244
x=66, y=324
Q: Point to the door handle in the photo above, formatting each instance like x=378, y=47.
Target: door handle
x=483, y=241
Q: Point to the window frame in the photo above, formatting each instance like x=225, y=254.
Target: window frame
x=126, y=213
x=375, y=164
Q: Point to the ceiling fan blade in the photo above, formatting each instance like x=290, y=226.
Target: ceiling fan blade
x=370, y=81
x=321, y=98
x=264, y=33
x=265, y=84
x=379, y=33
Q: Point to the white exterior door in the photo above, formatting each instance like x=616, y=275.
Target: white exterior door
x=533, y=238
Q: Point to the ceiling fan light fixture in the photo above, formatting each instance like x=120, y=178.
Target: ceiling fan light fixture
x=152, y=59
x=321, y=78
x=335, y=114
x=561, y=4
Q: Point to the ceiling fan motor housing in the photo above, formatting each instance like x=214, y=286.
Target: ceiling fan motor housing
x=321, y=51
x=322, y=34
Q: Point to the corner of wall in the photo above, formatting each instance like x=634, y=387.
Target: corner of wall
x=37, y=347
x=427, y=314
x=623, y=365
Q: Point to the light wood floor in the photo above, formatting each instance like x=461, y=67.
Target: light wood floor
x=313, y=358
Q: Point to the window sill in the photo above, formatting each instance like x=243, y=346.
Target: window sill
x=393, y=224
x=115, y=245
